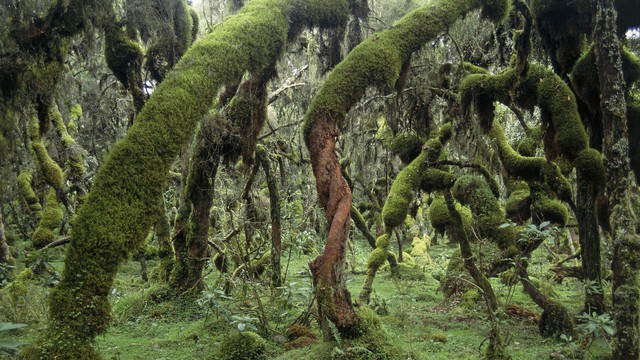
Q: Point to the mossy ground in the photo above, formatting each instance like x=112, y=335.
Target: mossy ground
x=150, y=324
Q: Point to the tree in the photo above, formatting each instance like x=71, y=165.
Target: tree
x=131, y=179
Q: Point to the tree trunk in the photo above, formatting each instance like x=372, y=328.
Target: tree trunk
x=589, y=245
x=4, y=249
x=328, y=269
x=626, y=244
x=274, y=200
x=375, y=62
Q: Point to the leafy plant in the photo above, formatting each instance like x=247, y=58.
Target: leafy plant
x=243, y=323
x=596, y=326
x=9, y=346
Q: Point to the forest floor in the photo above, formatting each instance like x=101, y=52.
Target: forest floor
x=149, y=322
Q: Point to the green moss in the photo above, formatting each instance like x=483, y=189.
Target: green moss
x=407, y=146
x=242, y=346
x=556, y=321
x=131, y=179
x=51, y=218
x=440, y=218
x=25, y=189
x=496, y=10
x=377, y=61
x=548, y=209
x=120, y=52
x=49, y=169
x=519, y=202
x=590, y=167
x=474, y=192
x=529, y=145
x=417, y=174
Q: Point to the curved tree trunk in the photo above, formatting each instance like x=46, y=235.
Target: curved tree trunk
x=130, y=181
x=378, y=61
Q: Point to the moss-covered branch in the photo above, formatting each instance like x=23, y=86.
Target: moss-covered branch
x=130, y=181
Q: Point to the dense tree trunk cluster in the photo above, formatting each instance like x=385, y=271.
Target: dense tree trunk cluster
x=199, y=107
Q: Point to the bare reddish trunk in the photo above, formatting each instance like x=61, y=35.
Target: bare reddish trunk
x=4, y=249
x=334, y=300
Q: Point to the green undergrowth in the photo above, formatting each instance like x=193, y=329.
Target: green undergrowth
x=409, y=316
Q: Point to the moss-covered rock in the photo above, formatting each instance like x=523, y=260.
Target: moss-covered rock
x=556, y=321
x=242, y=346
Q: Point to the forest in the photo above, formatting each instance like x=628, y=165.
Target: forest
x=319, y=179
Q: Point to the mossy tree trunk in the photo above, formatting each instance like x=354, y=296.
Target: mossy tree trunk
x=496, y=348
x=130, y=181
x=192, y=224
x=378, y=61
x=274, y=202
x=626, y=243
x=4, y=249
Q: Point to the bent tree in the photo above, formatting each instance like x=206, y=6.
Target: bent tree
x=380, y=61
x=120, y=207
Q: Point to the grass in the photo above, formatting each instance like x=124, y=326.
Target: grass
x=149, y=323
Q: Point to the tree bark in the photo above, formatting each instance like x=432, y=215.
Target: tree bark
x=4, y=249
x=375, y=62
x=328, y=269
x=626, y=244
x=274, y=201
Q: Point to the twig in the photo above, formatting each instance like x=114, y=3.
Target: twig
x=57, y=243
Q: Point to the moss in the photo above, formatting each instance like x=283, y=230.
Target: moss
x=75, y=158
x=474, y=192
x=373, y=337
x=407, y=146
x=552, y=210
x=25, y=189
x=496, y=10
x=51, y=218
x=242, y=346
x=377, y=61
x=519, y=202
x=555, y=321
x=131, y=179
x=195, y=23
x=49, y=169
x=417, y=174
x=120, y=52
x=562, y=26
x=590, y=166
x=633, y=125
x=529, y=145
x=440, y=218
